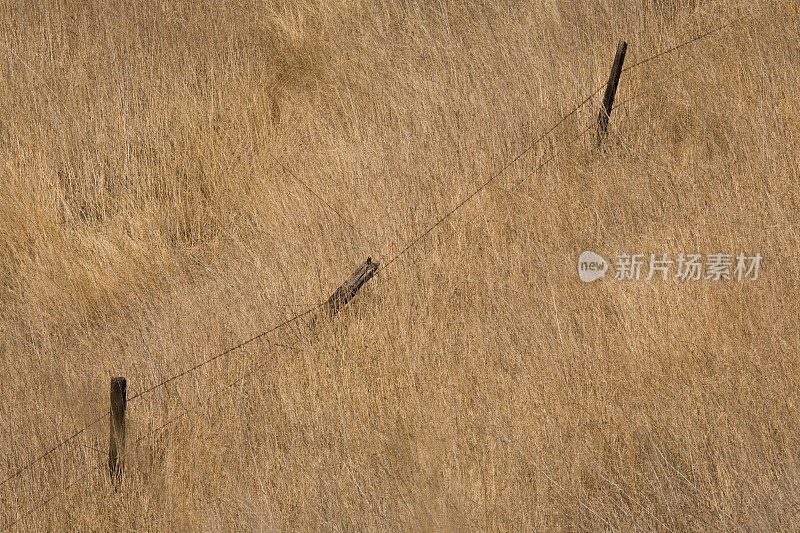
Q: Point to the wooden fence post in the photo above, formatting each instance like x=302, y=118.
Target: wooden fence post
x=611, y=91
x=343, y=294
x=116, y=441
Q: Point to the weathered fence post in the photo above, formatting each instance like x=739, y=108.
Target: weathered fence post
x=116, y=441
x=611, y=91
x=343, y=294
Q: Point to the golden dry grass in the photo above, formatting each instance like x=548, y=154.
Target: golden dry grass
x=474, y=384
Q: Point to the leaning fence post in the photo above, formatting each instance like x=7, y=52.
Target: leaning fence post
x=611, y=91
x=348, y=289
x=116, y=441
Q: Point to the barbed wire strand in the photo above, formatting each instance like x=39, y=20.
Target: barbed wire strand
x=53, y=496
x=486, y=183
x=225, y=388
x=394, y=258
x=230, y=385
x=242, y=344
x=261, y=365
x=163, y=426
x=60, y=444
x=402, y=252
x=536, y=169
x=685, y=43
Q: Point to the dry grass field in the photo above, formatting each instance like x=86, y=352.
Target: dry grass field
x=157, y=163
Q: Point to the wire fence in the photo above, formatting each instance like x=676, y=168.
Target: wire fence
x=312, y=309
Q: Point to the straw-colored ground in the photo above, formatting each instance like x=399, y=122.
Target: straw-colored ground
x=476, y=383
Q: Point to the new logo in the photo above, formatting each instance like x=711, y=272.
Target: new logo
x=591, y=266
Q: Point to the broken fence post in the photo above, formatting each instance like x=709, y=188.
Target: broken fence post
x=345, y=293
